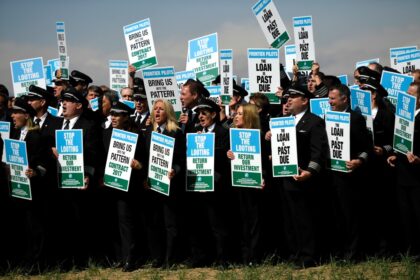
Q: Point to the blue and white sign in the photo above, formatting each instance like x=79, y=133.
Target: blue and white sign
x=226, y=75
x=25, y=73
x=160, y=162
x=55, y=65
x=69, y=144
x=183, y=76
x=395, y=83
x=200, y=162
x=407, y=63
x=319, y=106
x=404, y=123
x=361, y=101
x=94, y=104
x=118, y=74
x=129, y=103
x=284, y=155
x=203, y=58
x=215, y=92
x=395, y=52
x=5, y=134
x=304, y=42
x=366, y=62
x=17, y=158
x=264, y=72
x=337, y=125
x=290, y=59
x=140, y=45
x=343, y=79
x=53, y=111
x=271, y=23
x=246, y=166
x=48, y=75
x=62, y=49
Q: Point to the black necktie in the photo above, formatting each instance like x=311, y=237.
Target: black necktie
x=37, y=122
x=159, y=130
x=67, y=126
x=206, y=130
x=138, y=119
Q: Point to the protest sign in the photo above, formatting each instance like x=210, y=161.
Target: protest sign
x=361, y=101
x=53, y=111
x=394, y=52
x=215, y=92
x=200, y=162
x=25, y=73
x=118, y=75
x=118, y=163
x=94, y=104
x=284, y=147
x=160, y=162
x=48, y=75
x=264, y=72
x=304, y=42
x=395, y=83
x=290, y=59
x=140, y=45
x=203, y=58
x=319, y=106
x=55, y=65
x=226, y=75
x=343, y=79
x=17, y=159
x=183, y=76
x=62, y=49
x=407, y=63
x=129, y=103
x=271, y=23
x=337, y=125
x=366, y=62
x=5, y=134
x=246, y=166
x=160, y=83
x=404, y=123
x=69, y=143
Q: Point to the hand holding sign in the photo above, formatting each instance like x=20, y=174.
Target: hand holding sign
x=303, y=175
x=413, y=159
x=353, y=164
x=230, y=155
x=30, y=173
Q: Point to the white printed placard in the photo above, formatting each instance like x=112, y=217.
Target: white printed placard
x=118, y=74
x=407, y=63
x=366, y=62
x=203, y=58
x=284, y=147
x=337, y=125
x=69, y=144
x=160, y=83
x=160, y=162
x=62, y=49
x=5, y=134
x=200, y=162
x=271, y=23
x=264, y=72
x=319, y=106
x=361, y=101
x=226, y=75
x=395, y=52
x=404, y=123
x=215, y=93
x=26, y=73
x=118, y=163
x=246, y=166
x=290, y=59
x=183, y=76
x=395, y=83
x=304, y=42
x=17, y=159
x=140, y=45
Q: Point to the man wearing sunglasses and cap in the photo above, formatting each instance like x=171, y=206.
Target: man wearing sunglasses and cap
x=142, y=114
x=80, y=81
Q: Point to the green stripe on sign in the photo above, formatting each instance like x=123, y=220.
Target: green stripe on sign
x=21, y=190
x=305, y=65
x=285, y=170
x=207, y=76
x=401, y=144
x=280, y=41
x=159, y=186
x=225, y=99
x=247, y=179
x=338, y=165
x=199, y=183
x=72, y=180
x=145, y=63
x=273, y=98
x=115, y=182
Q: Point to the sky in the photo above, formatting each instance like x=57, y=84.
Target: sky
x=344, y=31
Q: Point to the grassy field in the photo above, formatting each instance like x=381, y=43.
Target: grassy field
x=372, y=269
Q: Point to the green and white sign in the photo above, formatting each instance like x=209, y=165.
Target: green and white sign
x=160, y=83
x=264, y=72
x=395, y=52
x=361, y=101
x=118, y=74
x=62, y=49
x=395, y=83
x=26, y=73
x=69, y=143
x=5, y=134
x=284, y=147
x=17, y=158
x=406, y=63
x=120, y=154
x=404, y=123
x=271, y=23
x=337, y=125
x=226, y=75
x=200, y=162
x=160, y=162
x=215, y=93
x=246, y=166
x=140, y=45
x=203, y=58
x=304, y=42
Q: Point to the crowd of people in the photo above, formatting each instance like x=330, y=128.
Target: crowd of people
x=307, y=219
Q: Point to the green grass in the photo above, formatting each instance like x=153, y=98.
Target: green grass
x=375, y=268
